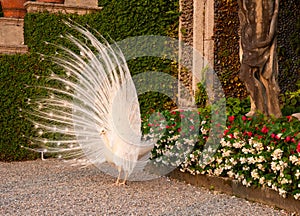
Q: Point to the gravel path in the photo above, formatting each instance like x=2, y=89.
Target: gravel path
x=53, y=187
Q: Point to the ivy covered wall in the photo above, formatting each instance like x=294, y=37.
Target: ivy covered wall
x=118, y=20
x=227, y=49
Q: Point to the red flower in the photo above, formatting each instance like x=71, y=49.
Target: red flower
x=298, y=148
x=244, y=118
x=289, y=118
x=288, y=138
x=275, y=136
x=231, y=118
x=231, y=136
x=226, y=131
x=264, y=130
x=192, y=127
x=249, y=134
x=259, y=136
x=179, y=129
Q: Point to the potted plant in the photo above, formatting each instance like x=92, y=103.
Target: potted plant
x=52, y=1
x=13, y=8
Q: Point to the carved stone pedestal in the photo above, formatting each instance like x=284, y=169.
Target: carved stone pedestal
x=11, y=36
x=67, y=8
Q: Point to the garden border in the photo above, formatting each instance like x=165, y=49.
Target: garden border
x=233, y=187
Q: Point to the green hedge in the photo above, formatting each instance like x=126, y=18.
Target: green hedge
x=118, y=20
x=17, y=72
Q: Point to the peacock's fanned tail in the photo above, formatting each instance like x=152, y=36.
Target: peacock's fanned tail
x=93, y=107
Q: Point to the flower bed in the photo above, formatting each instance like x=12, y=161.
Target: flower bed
x=257, y=151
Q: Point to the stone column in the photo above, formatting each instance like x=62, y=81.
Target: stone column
x=203, y=43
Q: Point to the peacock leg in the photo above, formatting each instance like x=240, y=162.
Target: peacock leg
x=125, y=178
x=119, y=176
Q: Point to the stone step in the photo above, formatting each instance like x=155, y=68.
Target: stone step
x=13, y=49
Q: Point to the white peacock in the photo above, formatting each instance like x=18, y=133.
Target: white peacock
x=97, y=113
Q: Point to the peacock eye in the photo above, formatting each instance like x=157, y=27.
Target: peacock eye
x=102, y=131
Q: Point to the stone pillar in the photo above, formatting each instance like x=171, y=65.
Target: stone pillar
x=203, y=43
x=196, y=29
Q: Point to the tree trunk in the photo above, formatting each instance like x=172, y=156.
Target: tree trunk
x=259, y=64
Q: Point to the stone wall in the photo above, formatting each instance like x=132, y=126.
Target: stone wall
x=289, y=44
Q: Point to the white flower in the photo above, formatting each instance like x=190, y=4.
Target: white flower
x=238, y=144
x=243, y=160
x=226, y=154
x=297, y=174
x=247, y=184
x=245, y=150
x=228, y=167
x=258, y=146
x=224, y=143
x=261, y=167
x=234, y=162
x=230, y=174
x=274, y=166
x=282, y=192
x=251, y=160
x=254, y=174
x=236, y=134
x=246, y=168
x=218, y=171
x=293, y=159
x=219, y=160
x=189, y=142
x=277, y=154
x=261, y=159
x=262, y=180
x=270, y=148
x=269, y=183
x=297, y=196
x=284, y=181
x=239, y=177
x=274, y=187
x=203, y=131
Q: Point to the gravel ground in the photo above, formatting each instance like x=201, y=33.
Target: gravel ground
x=54, y=187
